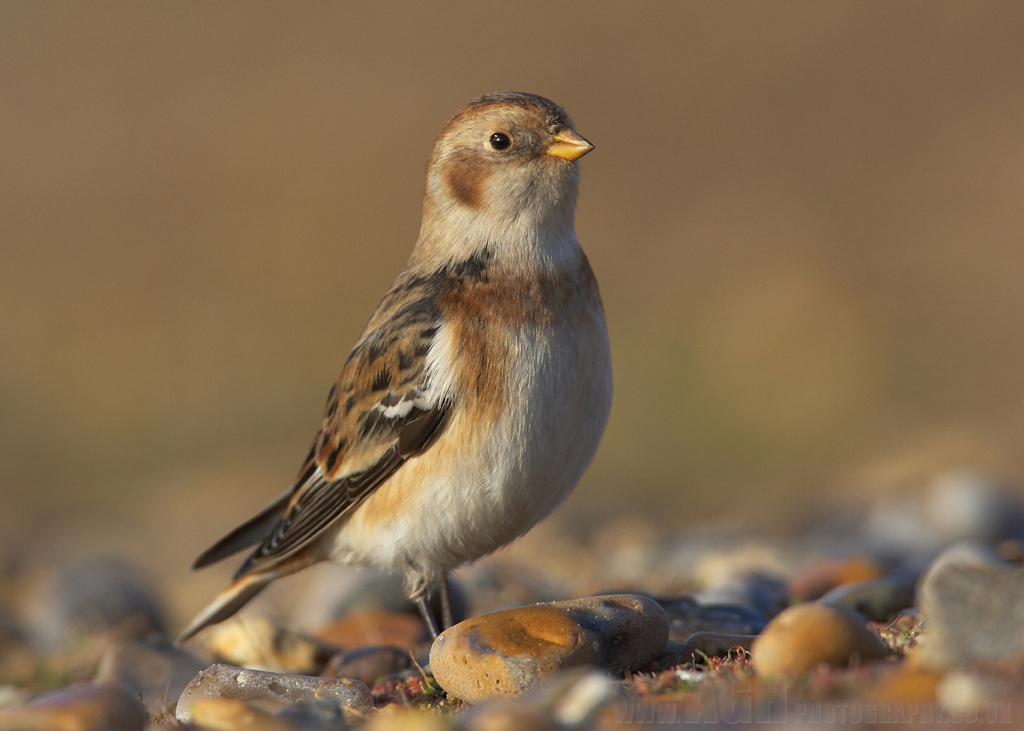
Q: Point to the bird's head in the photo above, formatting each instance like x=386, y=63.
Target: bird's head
x=505, y=161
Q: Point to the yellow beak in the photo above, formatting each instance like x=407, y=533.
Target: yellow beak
x=569, y=145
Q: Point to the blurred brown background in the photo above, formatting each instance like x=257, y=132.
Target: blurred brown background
x=806, y=220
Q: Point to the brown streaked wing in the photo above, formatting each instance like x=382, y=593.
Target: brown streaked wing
x=381, y=412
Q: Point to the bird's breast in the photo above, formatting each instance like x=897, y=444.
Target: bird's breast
x=506, y=333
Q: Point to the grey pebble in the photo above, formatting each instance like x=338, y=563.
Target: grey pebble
x=769, y=595
x=270, y=692
x=91, y=596
x=964, y=505
x=368, y=664
x=878, y=600
x=708, y=644
x=153, y=669
x=686, y=616
x=314, y=716
x=566, y=700
x=972, y=603
x=88, y=707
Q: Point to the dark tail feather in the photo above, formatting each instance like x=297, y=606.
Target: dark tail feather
x=228, y=602
x=248, y=534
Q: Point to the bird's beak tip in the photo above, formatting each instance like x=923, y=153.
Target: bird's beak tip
x=569, y=145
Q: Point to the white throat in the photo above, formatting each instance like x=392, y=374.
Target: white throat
x=518, y=243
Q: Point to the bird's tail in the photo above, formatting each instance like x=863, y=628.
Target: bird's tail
x=229, y=601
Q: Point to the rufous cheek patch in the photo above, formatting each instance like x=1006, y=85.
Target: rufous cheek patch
x=465, y=177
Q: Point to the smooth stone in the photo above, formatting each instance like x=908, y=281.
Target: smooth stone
x=227, y=714
x=910, y=570
x=766, y=594
x=736, y=559
x=675, y=653
x=363, y=628
x=314, y=716
x=80, y=708
x=686, y=615
x=902, y=683
x=1012, y=550
x=257, y=643
x=93, y=596
x=269, y=692
x=821, y=578
x=11, y=631
x=963, y=691
x=572, y=697
x=368, y=664
x=708, y=644
x=505, y=653
x=12, y=696
x=508, y=716
x=396, y=718
x=806, y=635
x=964, y=505
x=972, y=604
x=153, y=669
x=895, y=526
x=876, y=599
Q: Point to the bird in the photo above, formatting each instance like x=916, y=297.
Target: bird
x=477, y=394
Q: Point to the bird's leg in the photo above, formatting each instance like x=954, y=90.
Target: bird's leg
x=428, y=615
x=447, y=618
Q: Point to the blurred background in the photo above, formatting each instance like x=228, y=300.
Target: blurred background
x=805, y=218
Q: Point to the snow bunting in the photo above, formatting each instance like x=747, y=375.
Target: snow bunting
x=478, y=392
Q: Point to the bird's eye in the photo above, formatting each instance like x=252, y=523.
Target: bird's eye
x=500, y=141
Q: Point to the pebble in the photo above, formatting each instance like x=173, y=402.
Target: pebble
x=963, y=690
x=568, y=699
x=396, y=718
x=269, y=692
x=958, y=505
x=736, y=561
x=506, y=652
x=153, y=669
x=368, y=627
x=93, y=596
x=806, y=635
x=686, y=616
x=904, y=683
x=11, y=696
x=709, y=644
x=965, y=505
x=314, y=716
x=818, y=580
x=766, y=594
x=226, y=714
x=255, y=642
x=878, y=600
x=1012, y=550
x=80, y=708
x=574, y=697
x=368, y=664
x=972, y=603
x=11, y=631
x=895, y=526
x=509, y=716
